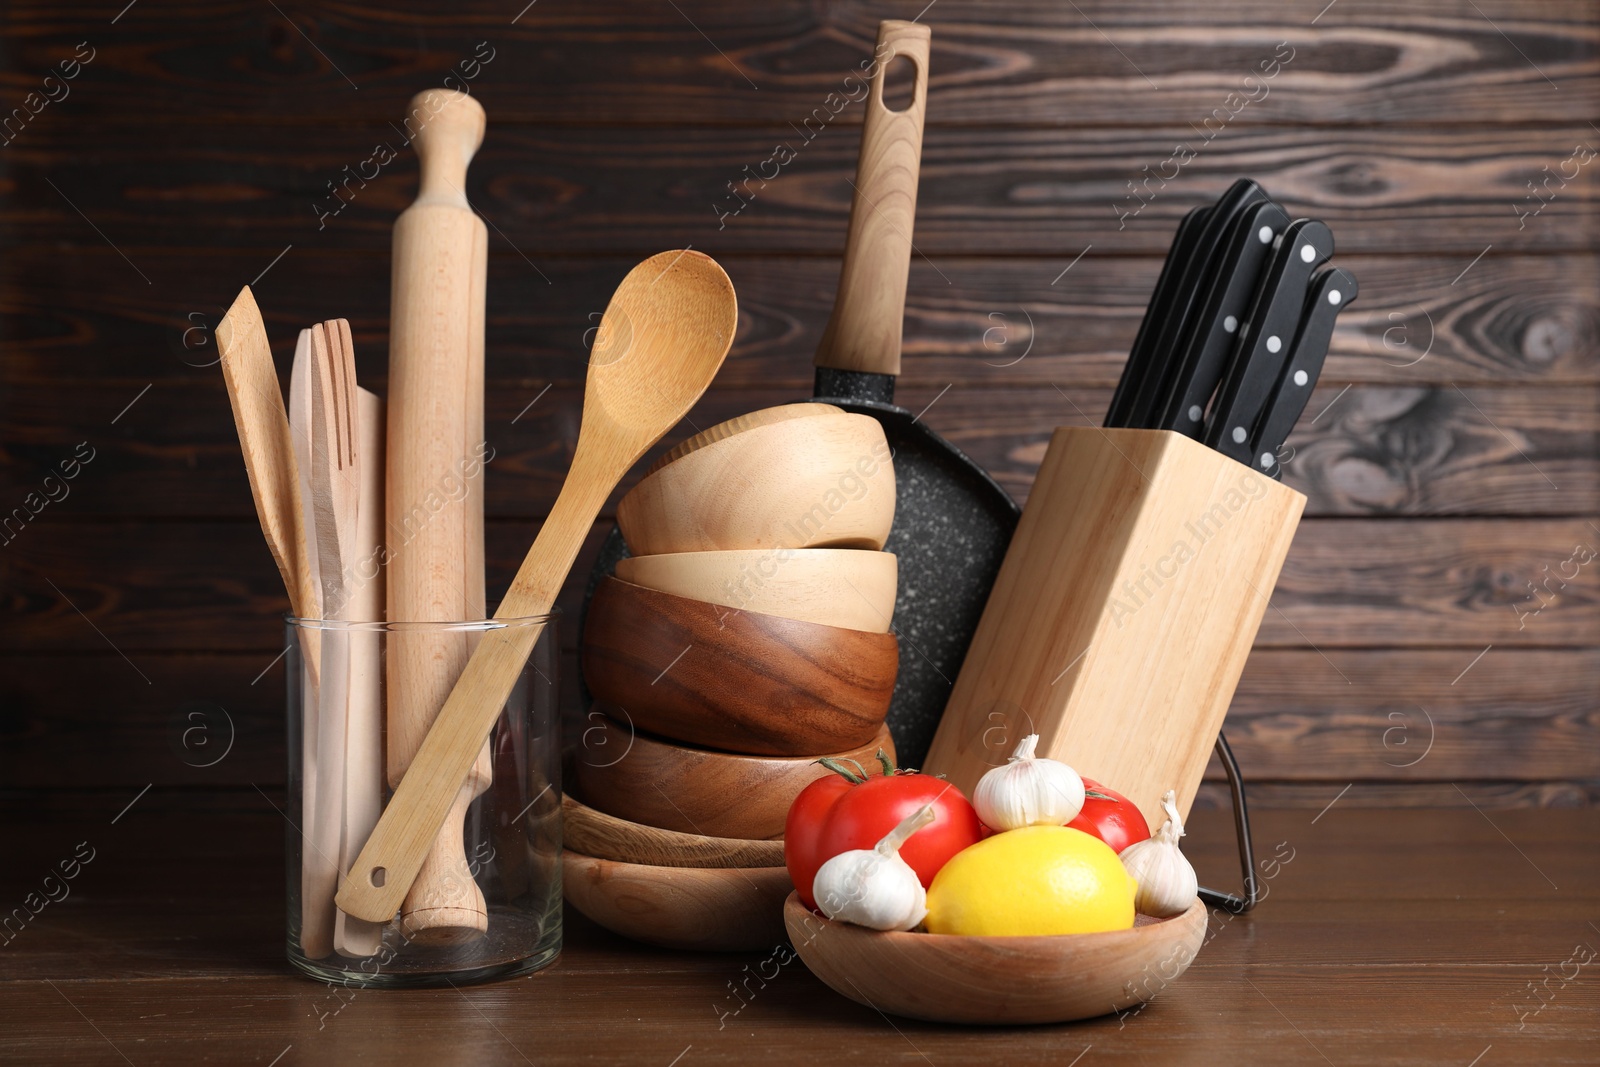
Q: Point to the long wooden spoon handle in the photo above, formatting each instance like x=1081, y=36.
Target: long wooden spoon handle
x=863, y=333
x=393, y=855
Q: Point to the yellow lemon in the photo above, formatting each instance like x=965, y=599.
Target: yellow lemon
x=1035, y=880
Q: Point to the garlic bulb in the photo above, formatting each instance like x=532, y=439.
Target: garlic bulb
x=874, y=887
x=1028, y=791
x=1167, y=885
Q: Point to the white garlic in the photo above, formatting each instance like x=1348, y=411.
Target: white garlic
x=1167, y=885
x=1028, y=791
x=874, y=887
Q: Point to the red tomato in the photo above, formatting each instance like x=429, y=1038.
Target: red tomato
x=834, y=815
x=1111, y=817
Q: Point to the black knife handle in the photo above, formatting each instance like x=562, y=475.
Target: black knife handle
x=1178, y=255
x=1204, y=359
x=1332, y=290
x=1162, y=354
x=1265, y=340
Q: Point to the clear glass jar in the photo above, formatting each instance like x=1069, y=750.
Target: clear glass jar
x=487, y=903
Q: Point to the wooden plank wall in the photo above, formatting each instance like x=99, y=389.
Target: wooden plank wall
x=1450, y=455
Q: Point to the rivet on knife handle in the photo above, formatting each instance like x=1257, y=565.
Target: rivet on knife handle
x=1332, y=290
x=1263, y=347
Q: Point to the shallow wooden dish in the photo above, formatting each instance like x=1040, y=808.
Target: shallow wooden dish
x=812, y=482
x=594, y=833
x=996, y=980
x=846, y=587
x=660, y=783
x=736, y=681
x=723, y=909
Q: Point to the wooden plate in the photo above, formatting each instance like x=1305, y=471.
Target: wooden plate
x=996, y=981
x=723, y=909
x=594, y=833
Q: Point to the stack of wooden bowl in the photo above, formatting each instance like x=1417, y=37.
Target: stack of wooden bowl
x=745, y=637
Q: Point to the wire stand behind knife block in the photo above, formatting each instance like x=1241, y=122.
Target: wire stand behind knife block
x=1121, y=619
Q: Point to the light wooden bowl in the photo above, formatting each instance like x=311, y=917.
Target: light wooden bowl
x=739, y=424
x=812, y=482
x=833, y=586
x=998, y=981
x=736, y=681
x=722, y=909
x=594, y=833
x=693, y=790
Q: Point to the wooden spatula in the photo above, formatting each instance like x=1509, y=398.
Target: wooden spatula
x=661, y=341
x=264, y=437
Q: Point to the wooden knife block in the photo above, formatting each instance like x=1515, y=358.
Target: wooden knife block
x=1120, y=621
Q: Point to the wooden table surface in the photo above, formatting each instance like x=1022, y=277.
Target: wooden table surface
x=1408, y=936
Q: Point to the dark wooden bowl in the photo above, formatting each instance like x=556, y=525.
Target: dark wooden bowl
x=661, y=783
x=735, y=680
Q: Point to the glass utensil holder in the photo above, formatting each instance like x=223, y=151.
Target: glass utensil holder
x=487, y=902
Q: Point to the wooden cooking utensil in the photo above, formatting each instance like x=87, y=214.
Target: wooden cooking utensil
x=264, y=437
x=435, y=488
x=1123, y=614
x=652, y=781
x=996, y=981
x=713, y=909
x=594, y=833
x=822, y=481
x=363, y=577
x=846, y=587
x=663, y=337
x=318, y=916
x=735, y=680
x=335, y=498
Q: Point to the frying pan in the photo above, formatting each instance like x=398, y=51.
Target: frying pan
x=952, y=522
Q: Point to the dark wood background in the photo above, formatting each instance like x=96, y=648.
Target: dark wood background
x=1456, y=461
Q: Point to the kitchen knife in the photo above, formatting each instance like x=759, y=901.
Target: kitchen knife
x=1332, y=290
x=1264, y=341
x=1201, y=358
x=1181, y=251
x=1176, y=318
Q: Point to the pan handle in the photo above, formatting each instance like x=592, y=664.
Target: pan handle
x=869, y=309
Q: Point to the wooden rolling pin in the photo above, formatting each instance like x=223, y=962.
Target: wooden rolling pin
x=435, y=481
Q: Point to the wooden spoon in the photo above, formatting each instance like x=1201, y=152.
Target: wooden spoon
x=661, y=341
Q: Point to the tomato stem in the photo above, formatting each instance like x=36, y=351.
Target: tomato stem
x=837, y=766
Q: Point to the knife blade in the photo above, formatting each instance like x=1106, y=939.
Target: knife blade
x=1203, y=353
x=1192, y=284
x=1332, y=290
x=1264, y=340
x=1181, y=251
